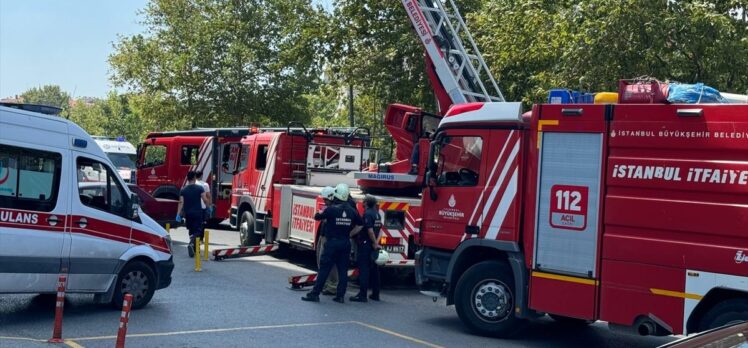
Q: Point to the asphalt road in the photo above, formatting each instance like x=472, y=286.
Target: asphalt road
x=248, y=303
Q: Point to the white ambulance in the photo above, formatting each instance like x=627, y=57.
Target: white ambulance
x=121, y=153
x=54, y=220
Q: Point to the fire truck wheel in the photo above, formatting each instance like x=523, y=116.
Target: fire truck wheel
x=247, y=235
x=138, y=279
x=725, y=313
x=568, y=321
x=484, y=299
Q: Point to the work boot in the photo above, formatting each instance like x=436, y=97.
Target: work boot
x=358, y=298
x=310, y=297
x=339, y=299
x=374, y=297
x=191, y=249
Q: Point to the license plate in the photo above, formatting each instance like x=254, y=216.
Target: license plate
x=394, y=248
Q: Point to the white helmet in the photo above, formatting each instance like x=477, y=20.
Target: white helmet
x=327, y=192
x=382, y=257
x=342, y=192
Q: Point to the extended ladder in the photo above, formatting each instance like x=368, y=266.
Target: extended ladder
x=461, y=70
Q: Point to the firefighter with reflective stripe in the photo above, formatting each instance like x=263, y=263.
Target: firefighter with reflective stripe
x=368, y=245
x=342, y=221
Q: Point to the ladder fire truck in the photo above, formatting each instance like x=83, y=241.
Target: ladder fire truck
x=279, y=205
x=634, y=214
x=280, y=174
x=164, y=158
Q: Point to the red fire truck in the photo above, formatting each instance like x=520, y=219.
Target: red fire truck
x=164, y=159
x=280, y=176
x=633, y=214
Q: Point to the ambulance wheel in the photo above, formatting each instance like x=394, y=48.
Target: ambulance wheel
x=137, y=279
x=725, y=313
x=484, y=300
x=569, y=321
x=247, y=235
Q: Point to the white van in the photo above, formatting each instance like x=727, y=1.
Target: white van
x=53, y=220
x=121, y=153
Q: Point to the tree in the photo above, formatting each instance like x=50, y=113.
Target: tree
x=119, y=115
x=50, y=95
x=224, y=63
x=534, y=46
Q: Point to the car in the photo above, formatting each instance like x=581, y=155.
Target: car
x=160, y=209
x=734, y=335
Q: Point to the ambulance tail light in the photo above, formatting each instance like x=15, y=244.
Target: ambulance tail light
x=389, y=241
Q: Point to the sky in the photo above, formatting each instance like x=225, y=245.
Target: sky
x=64, y=43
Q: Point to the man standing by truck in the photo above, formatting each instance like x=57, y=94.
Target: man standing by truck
x=368, y=242
x=190, y=208
x=331, y=284
x=341, y=221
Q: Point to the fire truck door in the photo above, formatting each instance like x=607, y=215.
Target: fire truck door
x=564, y=277
x=456, y=183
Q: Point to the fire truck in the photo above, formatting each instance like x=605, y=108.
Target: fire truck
x=164, y=158
x=628, y=213
x=280, y=174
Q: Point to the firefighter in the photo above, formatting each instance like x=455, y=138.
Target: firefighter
x=368, y=244
x=332, y=281
x=190, y=209
x=342, y=221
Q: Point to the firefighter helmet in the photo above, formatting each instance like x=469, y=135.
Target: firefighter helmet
x=382, y=257
x=342, y=192
x=327, y=192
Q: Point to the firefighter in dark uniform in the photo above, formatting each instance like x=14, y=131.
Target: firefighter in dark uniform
x=368, y=243
x=341, y=222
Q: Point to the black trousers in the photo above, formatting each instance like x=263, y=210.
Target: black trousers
x=368, y=275
x=337, y=252
x=195, y=225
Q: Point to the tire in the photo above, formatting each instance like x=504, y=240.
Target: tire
x=724, y=313
x=495, y=318
x=137, y=279
x=247, y=235
x=570, y=322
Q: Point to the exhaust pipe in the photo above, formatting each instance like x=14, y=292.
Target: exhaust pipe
x=647, y=328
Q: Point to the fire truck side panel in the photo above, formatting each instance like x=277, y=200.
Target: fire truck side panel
x=568, y=210
x=303, y=228
x=677, y=186
x=498, y=215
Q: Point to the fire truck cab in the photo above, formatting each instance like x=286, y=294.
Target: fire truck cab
x=164, y=159
x=633, y=214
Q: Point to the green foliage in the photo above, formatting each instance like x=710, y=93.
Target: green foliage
x=224, y=63
x=117, y=115
x=536, y=45
x=51, y=95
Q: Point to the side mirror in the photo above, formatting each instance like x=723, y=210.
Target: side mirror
x=431, y=182
x=134, y=206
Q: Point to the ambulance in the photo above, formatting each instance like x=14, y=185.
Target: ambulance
x=122, y=154
x=54, y=220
